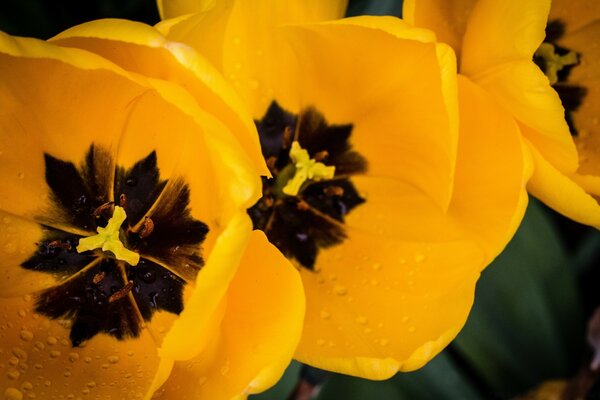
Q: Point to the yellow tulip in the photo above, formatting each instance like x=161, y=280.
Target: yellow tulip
x=390, y=247
x=496, y=42
x=127, y=258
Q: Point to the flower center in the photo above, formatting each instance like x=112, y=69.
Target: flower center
x=108, y=239
x=305, y=203
x=552, y=62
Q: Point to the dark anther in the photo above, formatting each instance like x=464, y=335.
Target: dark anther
x=58, y=244
x=302, y=205
x=123, y=200
x=268, y=201
x=271, y=161
x=334, y=191
x=121, y=293
x=99, y=277
x=147, y=228
x=321, y=156
x=287, y=137
x=104, y=207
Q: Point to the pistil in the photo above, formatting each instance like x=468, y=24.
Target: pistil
x=306, y=168
x=108, y=239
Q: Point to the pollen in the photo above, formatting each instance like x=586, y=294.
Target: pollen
x=108, y=239
x=306, y=169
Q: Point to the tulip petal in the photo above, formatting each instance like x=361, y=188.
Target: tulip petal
x=448, y=19
x=257, y=336
x=401, y=111
x=561, y=193
x=142, y=49
x=524, y=90
x=574, y=14
x=239, y=37
x=39, y=360
x=499, y=32
x=379, y=306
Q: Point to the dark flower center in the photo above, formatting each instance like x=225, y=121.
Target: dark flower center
x=303, y=221
x=557, y=63
x=99, y=293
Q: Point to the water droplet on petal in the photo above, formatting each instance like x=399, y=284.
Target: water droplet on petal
x=419, y=258
x=54, y=354
x=325, y=314
x=21, y=175
x=51, y=340
x=113, y=359
x=26, y=335
x=404, y=319
x=13, y=375
x=26, y=386
x=340, y=290
x=73, y=357
x=321, y=342
x=376, y=267
x=13, y=394
x=412, y=329
x=384, y=342
x=361, y=320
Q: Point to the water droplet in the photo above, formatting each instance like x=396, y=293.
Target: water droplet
x=47, y=383
x=38, y=366
x=26, y=386
x=67, y=374
x=333, y=277
x=19, y=353
x=22, y=313
x=87, y=360
x=404, y=319
x=85, y=391
x=54, y=354
x=237, y=40
x=321, y=342
x=225, y=368
x=10, y=247
x=14, y=361
x=340, y=290
x=412, y=329
x=51, y=340
x=419, y=258
x=26, y=335
x=13, y=374
x=368, y=330
x=21, y=175
x=374, y=282
x=91, y=384
x=113, y=359
x=361, y=320
x=73, y=357
x=130, y=353
x=384, y=342
x=325, y=314
x=253, y=84
x=13, y=394
x=331, y=343
x=376, y=267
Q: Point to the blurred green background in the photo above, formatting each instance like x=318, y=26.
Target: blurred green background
x=532, y=304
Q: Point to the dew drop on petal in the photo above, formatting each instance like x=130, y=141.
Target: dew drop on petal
x=384, y=342
x=325, y=314
x=26, y=386
x=404, y=319
x=376, y=267
x=13, y=394
x=73, y=357
x=419, y=258
x=412, y=329
x=54, y=354
x=340, y=290
x=21, y=175
x=26, y=335
x=13, y=375
x=51, y=340
x=113, y=359
x=361, y=320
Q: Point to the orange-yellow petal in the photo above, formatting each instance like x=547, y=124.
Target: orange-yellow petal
x=561, y=193
x=403, y=113
x=523, y=89
x=448, y=19
x=375, y=307
x=499, y=32
x=240, y=38
x=141, y=49
x=256, y=339
x=574, y=14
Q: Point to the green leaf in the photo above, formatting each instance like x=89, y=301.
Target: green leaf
x=526, y=325
x=284, y=387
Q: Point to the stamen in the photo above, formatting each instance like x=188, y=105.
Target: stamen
x=57, y=243
x=306, y=169
x=98, y=211
x=553, y=62
x=322, y=155
x=147, y=228
x=124, y=291
x=123, y=200
x=99, y=277
x=334, y=191
x=302, y=205
x=287, y=137
x=108, y=239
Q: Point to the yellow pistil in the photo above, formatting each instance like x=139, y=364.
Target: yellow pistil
x=553, y=61
x=306, y=168
x=107, y=239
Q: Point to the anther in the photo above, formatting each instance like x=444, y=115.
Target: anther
x=104, y=207
x=287, y=137
x=57, y=243
x=123, y=200
x=302, y=205
x=124, y=291
x=321, y=155
x=147, y=228
x=334, y=191
x=99, y=277
x=268, y=201
x=271, y=163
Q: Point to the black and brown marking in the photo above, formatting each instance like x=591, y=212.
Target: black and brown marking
x=100, y=294
x=313, y=219
x=571, y=95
